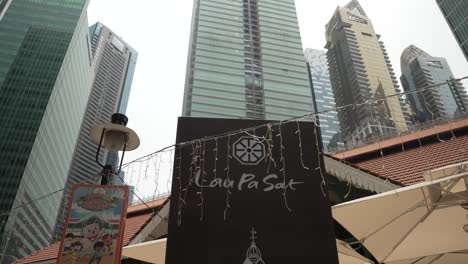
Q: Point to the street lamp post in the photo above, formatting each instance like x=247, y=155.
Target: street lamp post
x=114, y=137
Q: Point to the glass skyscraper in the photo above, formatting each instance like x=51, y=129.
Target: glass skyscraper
x=45, y=81
x=323, y=95
x=114, y=64
x=360, y=72
x=420, y=70
x=456, y=15
x=246, y=61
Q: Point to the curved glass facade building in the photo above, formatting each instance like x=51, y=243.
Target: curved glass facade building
x=246, y=61
x=45, y=82
x=420, y=70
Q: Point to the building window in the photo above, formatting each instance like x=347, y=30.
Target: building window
x=355, y=18
x=435, y=64
x=88, y=46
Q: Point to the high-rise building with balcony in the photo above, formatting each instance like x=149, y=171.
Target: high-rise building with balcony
x=456, y=15
x=323, y=95
x=45, y=81
x=246, y=61
x=420, y=71
x=114, y=65
x=361, y=73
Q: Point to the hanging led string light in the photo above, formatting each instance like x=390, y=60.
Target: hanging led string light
x=136, y=168
x=156, y=164
x=349, y=185
x=270, y=146
x=299, y=136
x=294, y=119
x=202, y=175
x=319, y=168
x=452, y=132
x=283, y=166
x=216, y=157
x=179, y=180
x=378, y=142
x=227, y=170
x=193, y=171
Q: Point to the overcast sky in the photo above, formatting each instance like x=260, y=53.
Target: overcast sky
x=159, y=30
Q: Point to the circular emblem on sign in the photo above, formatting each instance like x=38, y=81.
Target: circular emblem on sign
x=248, y=151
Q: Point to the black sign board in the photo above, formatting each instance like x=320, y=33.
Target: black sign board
x=248, y=197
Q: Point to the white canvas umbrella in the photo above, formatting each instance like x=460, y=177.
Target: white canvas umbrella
x=151, y=251
x=414, y=222
x=448, y=258
x=347, y=255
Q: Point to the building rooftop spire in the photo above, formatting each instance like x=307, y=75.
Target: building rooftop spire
x=356, y=7
x=410, y=53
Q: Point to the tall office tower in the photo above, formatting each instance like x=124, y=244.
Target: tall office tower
x=114, y=62
x=360, y=71
x=420, y=70
x=245, y=61
x=45, y=82
x=323, y=95
x=456, y=15
x=3, y=3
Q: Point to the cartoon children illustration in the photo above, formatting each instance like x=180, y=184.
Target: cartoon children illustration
x=98, y=252
x=91, y=230
x=67, y=243
x=107, y=239
x=75, y=252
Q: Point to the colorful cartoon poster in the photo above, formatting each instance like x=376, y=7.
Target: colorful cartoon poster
x=94, y=228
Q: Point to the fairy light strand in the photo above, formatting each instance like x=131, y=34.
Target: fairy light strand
x=323, y=184
x=194, y=169
x=202, y=175
x=171, y=168
x=227, y=169
x=129, y=166
x=312, y=115
x=298, y=132
x=270, y=146
x=179, y=179
x=283, y=167
x=216, y=157
x=156, y=165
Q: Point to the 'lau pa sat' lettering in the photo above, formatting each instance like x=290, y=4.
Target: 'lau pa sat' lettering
x=248, y=181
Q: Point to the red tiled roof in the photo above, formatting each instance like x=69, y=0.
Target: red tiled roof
x=133, y=225
x=459, y=124
x=47, y=253
x=151, y=204
x=407, y=167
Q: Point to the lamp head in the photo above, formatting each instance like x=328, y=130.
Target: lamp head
x=119, y=119
x=116, y=134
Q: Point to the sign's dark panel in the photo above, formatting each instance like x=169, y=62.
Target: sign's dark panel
x=248, y=197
